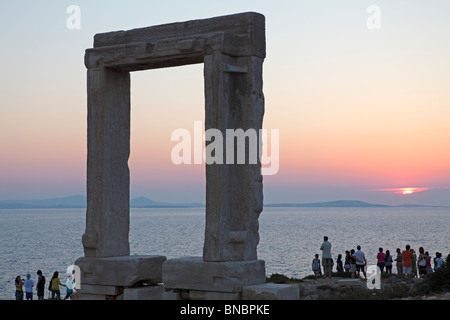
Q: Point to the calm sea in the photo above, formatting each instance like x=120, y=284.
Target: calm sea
x=50, y=240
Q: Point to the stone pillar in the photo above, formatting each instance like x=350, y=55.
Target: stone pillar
x=234, y=200
x=108, y=179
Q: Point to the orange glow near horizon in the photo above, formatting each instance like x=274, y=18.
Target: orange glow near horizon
x=357, y=110
x=404, y=191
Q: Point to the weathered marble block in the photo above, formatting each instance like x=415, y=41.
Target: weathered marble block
x=124, y=271
x=144, y=293
x=192, y=273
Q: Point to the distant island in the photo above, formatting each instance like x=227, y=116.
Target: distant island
x=344, y=203
x=338, y=203
x=79, y=201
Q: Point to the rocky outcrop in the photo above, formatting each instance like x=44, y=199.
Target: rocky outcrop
x=392, y=288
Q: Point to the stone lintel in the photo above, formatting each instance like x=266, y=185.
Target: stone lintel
x=123, y=271
x=250, y=25
x=166, y=52
x=143, y=56
x=192, y=273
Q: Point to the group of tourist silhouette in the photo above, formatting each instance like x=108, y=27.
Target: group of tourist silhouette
x=26, y=286
x=407, y=262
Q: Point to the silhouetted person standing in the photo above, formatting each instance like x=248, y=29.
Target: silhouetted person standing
x=399, y=260
x=360, y=258
x=40, y=285
x=327, y=261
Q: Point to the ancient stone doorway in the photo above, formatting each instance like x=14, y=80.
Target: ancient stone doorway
x=232, y=49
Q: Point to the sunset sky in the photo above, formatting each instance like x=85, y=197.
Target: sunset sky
x=363, y=114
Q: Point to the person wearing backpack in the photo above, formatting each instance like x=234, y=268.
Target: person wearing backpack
x=54, y=286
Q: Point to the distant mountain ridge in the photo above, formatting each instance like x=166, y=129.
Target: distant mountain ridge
x=143, y=202
x=74, y=201
x=338, y=203
x=79, y=201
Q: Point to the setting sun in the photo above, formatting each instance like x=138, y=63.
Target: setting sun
x=407, y=190
x=404, y=191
